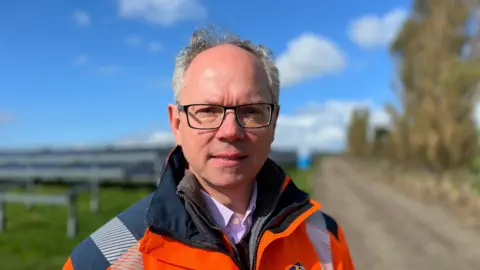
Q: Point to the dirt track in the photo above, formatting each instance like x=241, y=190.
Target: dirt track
x=389, y=231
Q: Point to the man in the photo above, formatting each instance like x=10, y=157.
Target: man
x=220, y=203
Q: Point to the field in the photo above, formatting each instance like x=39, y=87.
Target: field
x=36, y=238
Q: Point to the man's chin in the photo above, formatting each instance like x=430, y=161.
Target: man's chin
x=226, y=179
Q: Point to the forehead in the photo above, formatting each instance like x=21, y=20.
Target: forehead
x=228, y=75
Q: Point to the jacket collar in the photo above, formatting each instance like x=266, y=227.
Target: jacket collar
x=168, y=214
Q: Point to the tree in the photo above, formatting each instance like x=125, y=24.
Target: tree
x=381, y=143
x=357, y=132
x=434, y=125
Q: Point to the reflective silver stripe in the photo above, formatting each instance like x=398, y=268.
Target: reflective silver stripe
x=131, y=260
x=320, y=238
x=113, y=239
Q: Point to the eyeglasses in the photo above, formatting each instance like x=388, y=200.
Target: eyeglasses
x=208, y=116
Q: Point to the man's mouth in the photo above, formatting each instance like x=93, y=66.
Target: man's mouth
x=229, y=158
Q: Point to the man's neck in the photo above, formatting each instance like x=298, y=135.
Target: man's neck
x=236, y=199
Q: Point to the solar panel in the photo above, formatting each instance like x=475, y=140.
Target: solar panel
x=114, y=164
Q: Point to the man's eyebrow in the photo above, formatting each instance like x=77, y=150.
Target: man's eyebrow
x=212, y=101
x=209, y=102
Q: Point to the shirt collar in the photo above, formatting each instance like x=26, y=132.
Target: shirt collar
x=222, y=214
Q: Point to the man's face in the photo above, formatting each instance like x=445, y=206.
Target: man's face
x=229, y=155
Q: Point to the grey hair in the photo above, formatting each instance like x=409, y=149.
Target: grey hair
x=205, y=38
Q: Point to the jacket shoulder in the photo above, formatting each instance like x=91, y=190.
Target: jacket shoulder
x=324, y=223
x=110, y=241
x=328, y=240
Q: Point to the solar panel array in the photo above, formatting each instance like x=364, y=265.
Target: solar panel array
x=137, y=164
x=89, y=166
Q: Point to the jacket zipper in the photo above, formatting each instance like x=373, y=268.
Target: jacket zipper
x=235, y=259
x=268, y=226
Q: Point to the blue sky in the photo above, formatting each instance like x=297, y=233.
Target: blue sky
x=81, y=72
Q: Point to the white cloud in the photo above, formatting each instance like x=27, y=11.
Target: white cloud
x=81, y=60
x=159, y=137
x=133, y=41
x=309, y=56
x=137, y=42
x=372, y=31
x=82, y=18
x=161, y=12
x=163, y=83
x=322, y=126
x=155, y=46
x=108, y=70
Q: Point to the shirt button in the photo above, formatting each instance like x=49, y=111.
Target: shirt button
x=236, y=221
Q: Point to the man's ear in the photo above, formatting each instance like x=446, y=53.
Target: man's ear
x=275, y=117
x=174, y=118
x=274, y=121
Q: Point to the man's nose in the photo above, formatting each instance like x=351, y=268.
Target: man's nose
x=230, y=130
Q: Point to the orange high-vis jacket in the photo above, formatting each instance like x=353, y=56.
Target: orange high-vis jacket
x=170, y=229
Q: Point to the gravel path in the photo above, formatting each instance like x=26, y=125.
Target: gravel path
x=389, y=231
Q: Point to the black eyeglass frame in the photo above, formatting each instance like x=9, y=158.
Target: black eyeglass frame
x=272, y=106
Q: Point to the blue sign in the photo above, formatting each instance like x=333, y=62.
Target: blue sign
x=304, y=162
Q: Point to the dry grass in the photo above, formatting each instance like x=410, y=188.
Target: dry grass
x=456, y=190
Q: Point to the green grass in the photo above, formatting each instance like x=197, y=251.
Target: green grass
x=36, y=238
x=300, y=178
